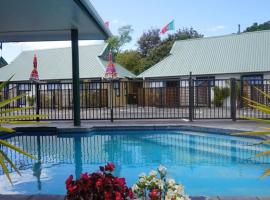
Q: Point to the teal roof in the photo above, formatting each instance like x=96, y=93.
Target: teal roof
x=3, y=62
x=235, y=53
x=56, y=64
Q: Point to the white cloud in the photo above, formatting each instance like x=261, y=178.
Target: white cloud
x=217, y=28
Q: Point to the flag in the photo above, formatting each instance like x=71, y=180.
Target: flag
x=107, y=24
x=168, y=27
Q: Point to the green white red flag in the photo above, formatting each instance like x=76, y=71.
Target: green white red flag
x=168, y=27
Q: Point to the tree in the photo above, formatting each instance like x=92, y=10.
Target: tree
x=116, y=42
x=162, y=50
x=184, y=34
x=131, y=60
x=148, y=41
x=258, y=27
x=152, y=49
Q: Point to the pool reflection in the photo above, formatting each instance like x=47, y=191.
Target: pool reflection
x=61, y=155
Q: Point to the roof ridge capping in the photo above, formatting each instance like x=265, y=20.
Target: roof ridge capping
x=222, y=36
x=56, y=48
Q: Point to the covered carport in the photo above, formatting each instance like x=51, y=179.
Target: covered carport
x=53, y=20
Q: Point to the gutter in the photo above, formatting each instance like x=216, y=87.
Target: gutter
x=88, y=8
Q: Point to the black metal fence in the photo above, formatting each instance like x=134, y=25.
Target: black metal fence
x=192, y=99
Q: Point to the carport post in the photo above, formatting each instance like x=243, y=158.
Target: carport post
x=75, y=77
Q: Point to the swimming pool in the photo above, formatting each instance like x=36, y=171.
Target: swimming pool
x=206, y=164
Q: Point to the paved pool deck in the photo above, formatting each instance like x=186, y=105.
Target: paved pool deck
x=58, y=197
x=242, y=125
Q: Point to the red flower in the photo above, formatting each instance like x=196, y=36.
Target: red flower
x=84, y=176
x=118, y=196
x=154, y=194
x=72, y=188
x=121, y=182
x=108, y=195
x=130, y=193
x=69, y=180
x=99, y=183
x=109, y=167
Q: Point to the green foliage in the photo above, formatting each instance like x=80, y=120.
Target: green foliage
x=116, y=42
x=151, y=49
x=10, y=118
x=31, y=100
x=258, y=27
x=131, y=60
x=264, y=109
x=220, y=94
x=184, y=34
x=149, y=40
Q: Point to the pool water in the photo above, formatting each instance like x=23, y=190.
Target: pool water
x=206, y=164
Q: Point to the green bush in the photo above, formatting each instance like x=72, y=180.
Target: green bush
x=220, y=93
x=31, y=100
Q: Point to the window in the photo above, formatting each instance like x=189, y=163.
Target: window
x=126, y=89
x=156, y=84
x=24, y=87
x=205, y=80
x=94, y=86
x=116, y=86
x=53, y=86
x=253, y=79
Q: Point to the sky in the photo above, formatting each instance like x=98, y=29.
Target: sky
x=208, y=17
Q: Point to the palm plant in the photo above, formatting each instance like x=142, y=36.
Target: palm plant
x=265, y=109
x=12, y=119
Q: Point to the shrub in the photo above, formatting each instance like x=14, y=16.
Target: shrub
x=31, y=100
x=220, y=93
x=100, y=185
x=156, y=186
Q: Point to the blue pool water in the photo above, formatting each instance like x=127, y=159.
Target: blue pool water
x=206, y=164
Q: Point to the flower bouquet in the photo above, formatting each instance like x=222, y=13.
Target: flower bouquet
x=100, y=185
x=156, y=186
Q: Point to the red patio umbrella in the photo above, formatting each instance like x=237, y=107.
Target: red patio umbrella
x=111, y=70
x=34, y=74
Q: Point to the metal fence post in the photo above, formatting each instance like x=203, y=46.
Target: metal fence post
x=111, y=99
x=191, y=98
x=233, y=99
x=37, y=101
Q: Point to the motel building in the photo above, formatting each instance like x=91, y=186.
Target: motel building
x=55, y=74
x=213, y=62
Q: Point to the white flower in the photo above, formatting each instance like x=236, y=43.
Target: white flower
x=170, y=194
x=179, y=189
x=162, y=170
x=171, y=182
x=142, y=175
x=142, y=180
x=153, y=173
x=135, y=187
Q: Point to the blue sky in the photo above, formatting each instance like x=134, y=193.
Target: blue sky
x=209, y=17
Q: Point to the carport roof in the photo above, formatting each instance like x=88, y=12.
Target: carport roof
x=50, y=20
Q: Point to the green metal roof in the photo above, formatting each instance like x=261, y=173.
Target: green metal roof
x=236, y=53
x=3, y=62
x=55, y=64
